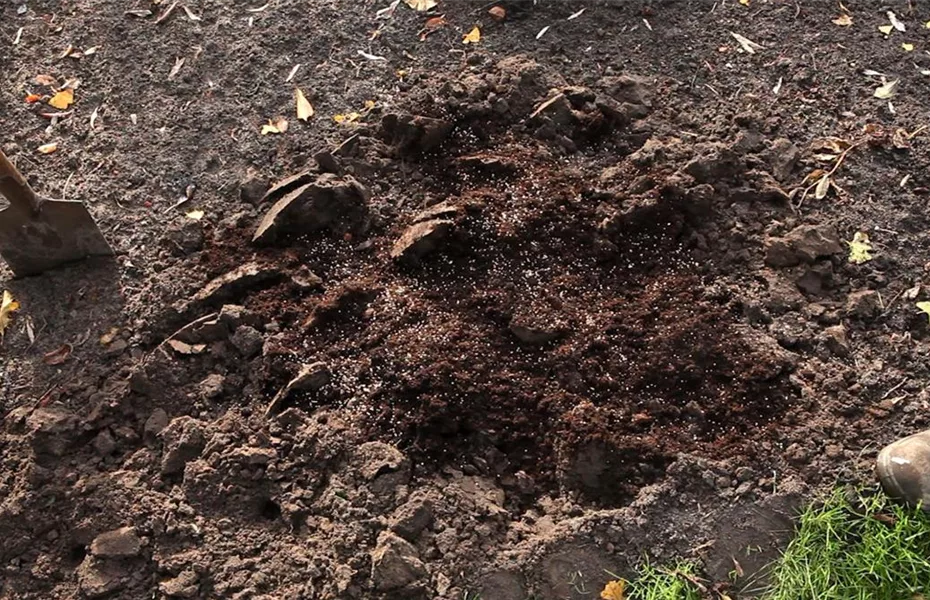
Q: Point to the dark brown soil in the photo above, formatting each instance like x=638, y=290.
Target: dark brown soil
x=548, y=304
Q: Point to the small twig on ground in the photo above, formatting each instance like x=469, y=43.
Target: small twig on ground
x=892, y=390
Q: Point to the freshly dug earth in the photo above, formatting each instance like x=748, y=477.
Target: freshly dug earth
x=543, y=306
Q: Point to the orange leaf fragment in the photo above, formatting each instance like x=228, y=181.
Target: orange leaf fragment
x=62, y=99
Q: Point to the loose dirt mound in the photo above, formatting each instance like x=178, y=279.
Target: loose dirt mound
x=520, y=323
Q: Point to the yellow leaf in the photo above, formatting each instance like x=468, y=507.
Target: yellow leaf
x=278, y=125
x=927, y=24
x=843, y=20
x=369, y=104
x=196, y=215
x=346, y=118
x=859, y=248
x=421, y=5
x=907, y=47
x=7, y=306
x=924, y=306
x=744, y=2
x=304, y=108
x=886, y=29
x=48, y=148
x=472, y=37
x=62, y=99
x=613, y=590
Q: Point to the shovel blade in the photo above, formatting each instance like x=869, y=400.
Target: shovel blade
x=61, y=233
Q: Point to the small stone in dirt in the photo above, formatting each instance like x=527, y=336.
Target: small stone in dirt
x=252, y=190
x=287, y=185
x=304, y=278
x=650, y=153
x=104, y=445
x=579, y=96
x=443, y=210
x=782, y=157
x=311, y=377
x=185, y=236
x=116, y=348
x=326, y=202
x=97, y=580
x=412, y=518
x=212, y=386
x=183, y=442
x=805, y=243
x=414, y=133
x=53, y=429
x=864, y=304
x=154, y=425
x=346, y=302
x=714, y=163
x=247, y=340
x=835, y=340
x=395, y=563
x=185, y=585
x=535, y=329
x=234, y=315
x=383, y=466
x=420, y=239
x=117, y=543
x=328, y=163
x=231, y=286
x=627, y=88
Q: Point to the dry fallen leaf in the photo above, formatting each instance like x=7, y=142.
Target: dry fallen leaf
x=744, y=2
x=886, y=29
x=907, y=47
x=48, y=148
x=472, y=37
x=195, y=215
x=387, y=11
x=346, y=118
x=421, y=5
x=185, y=348
x=33, y=98
x=190, y=14
x=45, y=80
x=62, y=99
x=109, y=336
x=498, y=13
x=431, y=26
x=895, y=22
x=7, y=307
x=58, y=355
x=304, y=108
x=747, y=44
x=178, y=63
x=823, y=187
x=887, y=90
x=843, y=20
x=575, y=15
x=614, y=590
x=278, y=125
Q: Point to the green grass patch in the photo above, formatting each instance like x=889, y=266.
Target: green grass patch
x=653, y=583
x=847, y=547
x=865, y=548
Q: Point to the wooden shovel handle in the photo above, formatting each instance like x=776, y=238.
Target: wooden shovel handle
x=16, y=189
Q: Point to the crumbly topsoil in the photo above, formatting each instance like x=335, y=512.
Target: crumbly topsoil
x=545, y=307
